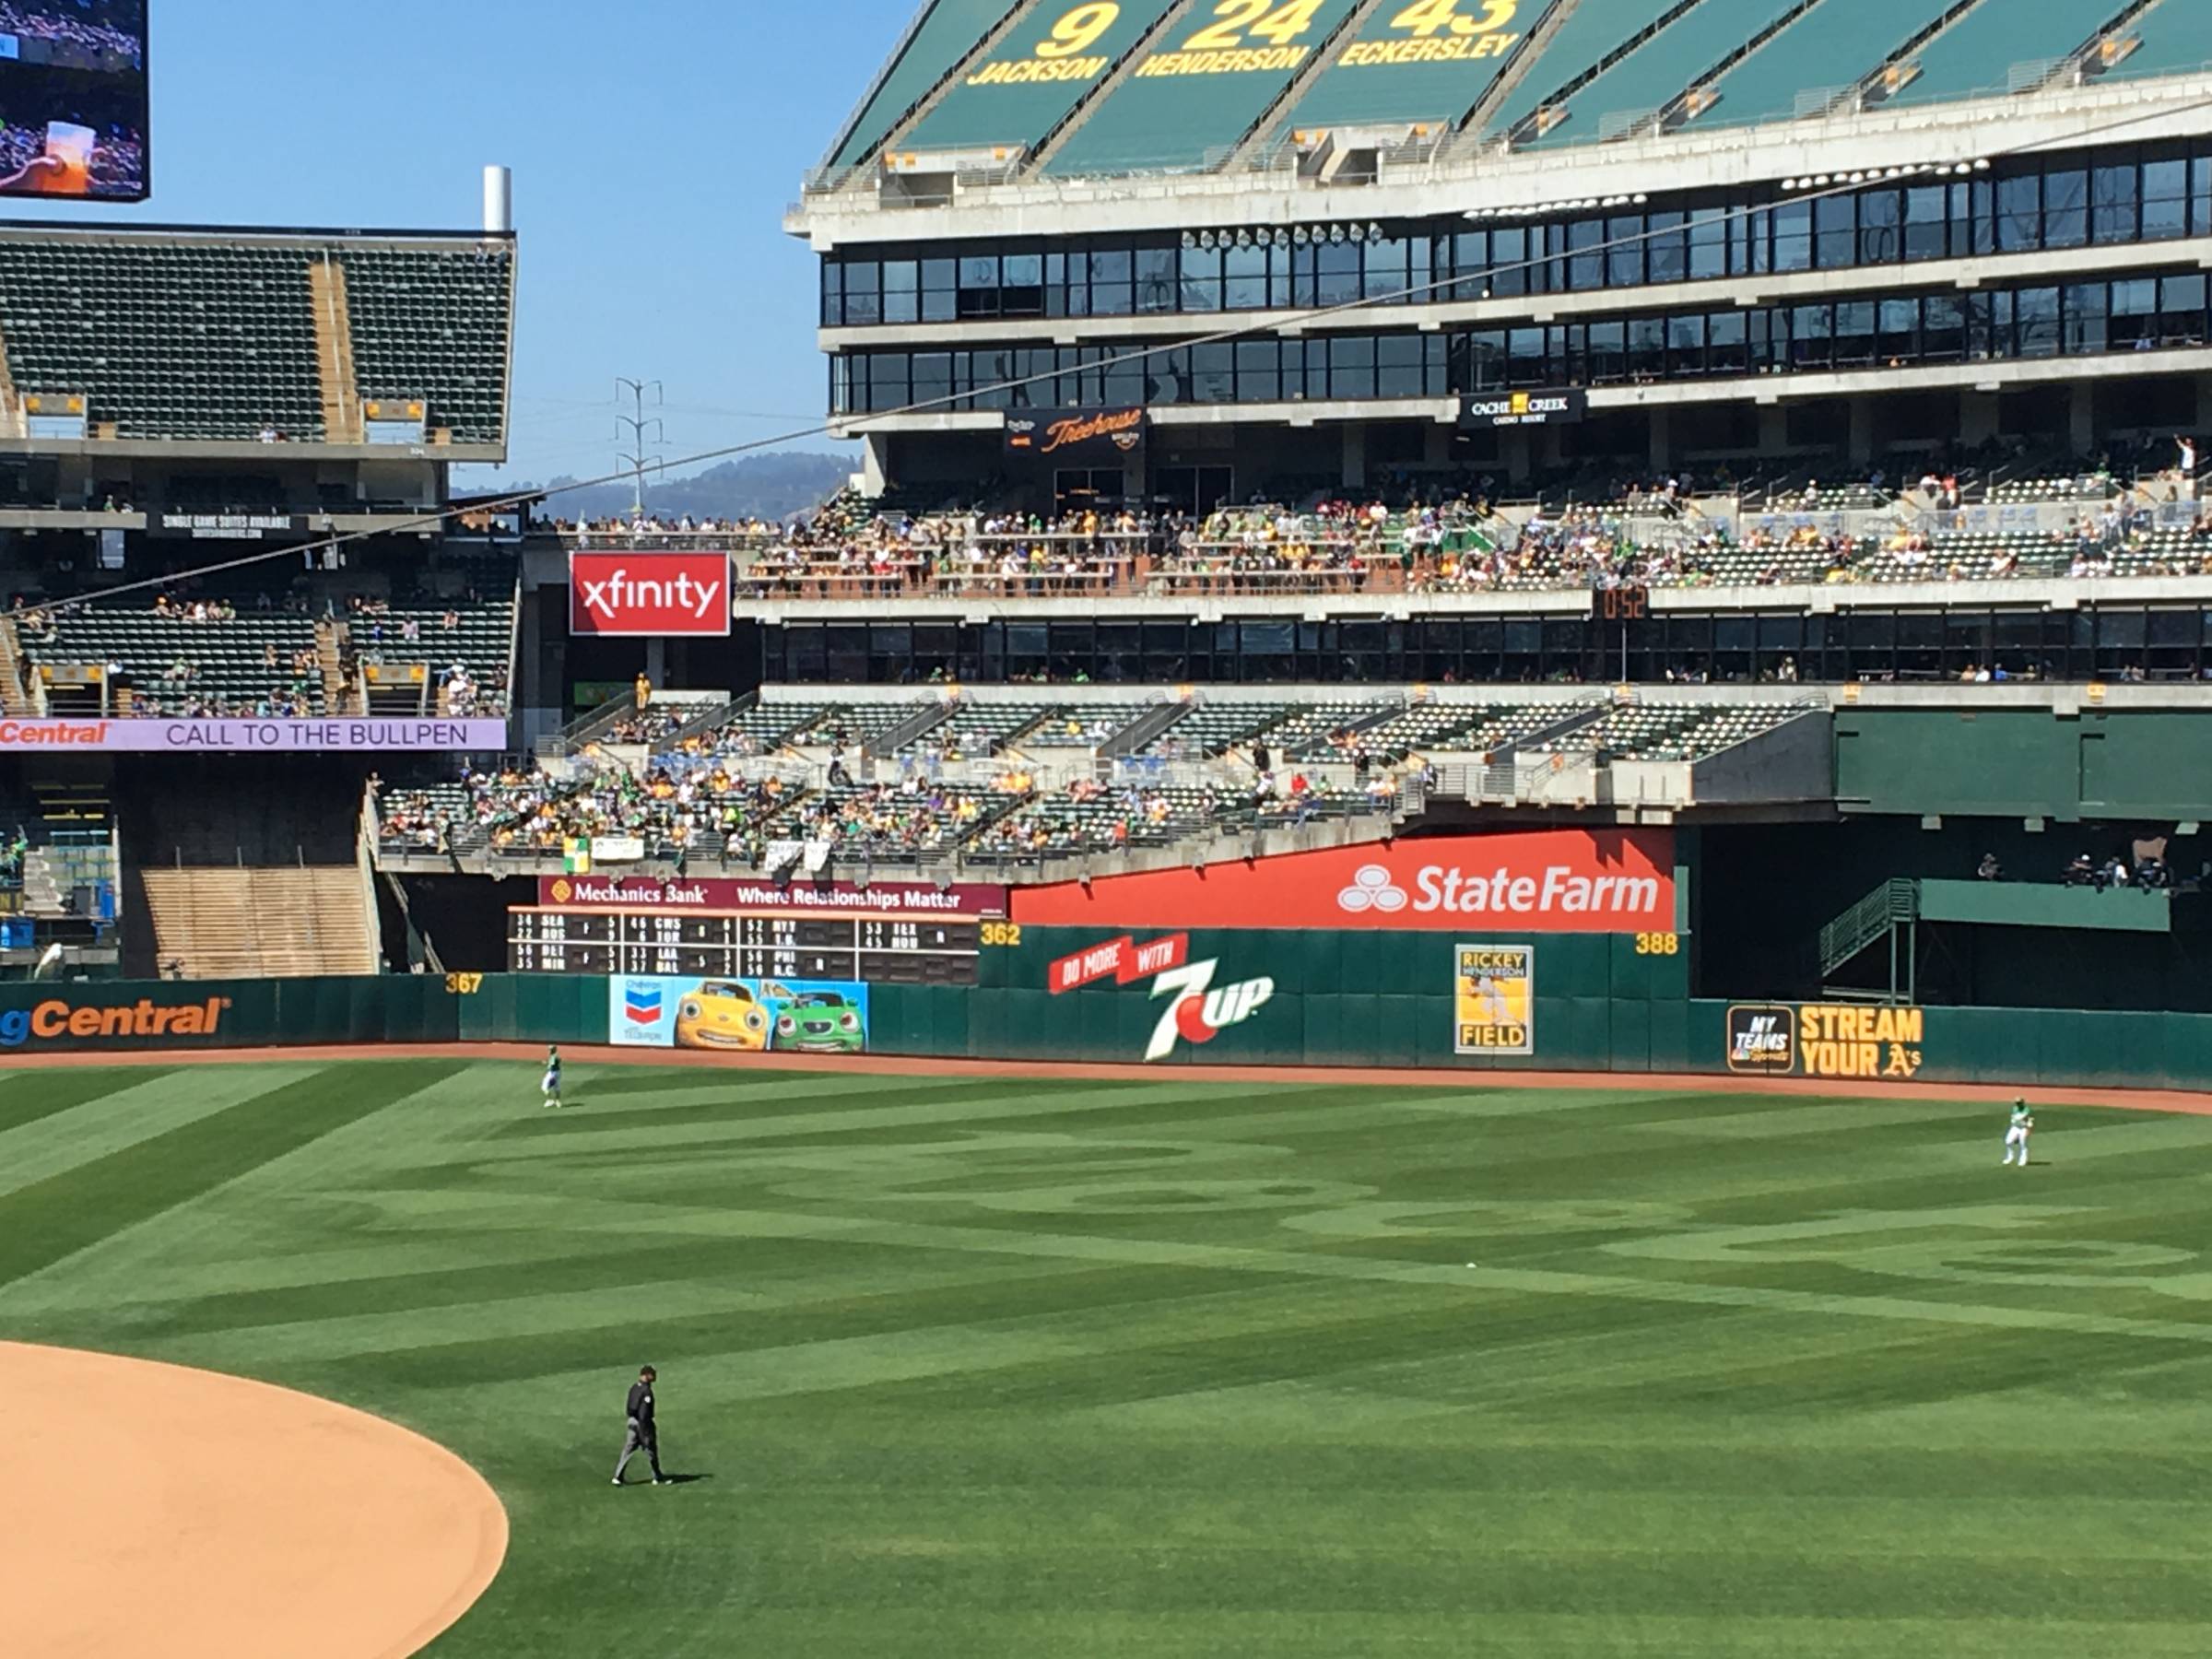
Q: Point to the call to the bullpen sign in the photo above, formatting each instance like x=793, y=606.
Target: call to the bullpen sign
x=1826, y=1040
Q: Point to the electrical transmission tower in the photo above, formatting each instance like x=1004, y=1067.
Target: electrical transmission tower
x=638, y=458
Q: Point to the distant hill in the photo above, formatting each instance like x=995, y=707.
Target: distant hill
x=771, y=487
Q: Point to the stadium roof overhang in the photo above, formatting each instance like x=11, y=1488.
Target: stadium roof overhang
x=1502, y=181
x=265, y=456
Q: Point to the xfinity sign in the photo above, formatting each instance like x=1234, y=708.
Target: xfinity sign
x=628, y=593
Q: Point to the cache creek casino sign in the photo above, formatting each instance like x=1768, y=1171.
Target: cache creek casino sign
x=1535, y=881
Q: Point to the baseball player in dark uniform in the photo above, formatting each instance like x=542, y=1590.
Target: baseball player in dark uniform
x=641, y=1434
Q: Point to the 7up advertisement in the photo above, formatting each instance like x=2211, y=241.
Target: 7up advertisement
x=1196, y=1001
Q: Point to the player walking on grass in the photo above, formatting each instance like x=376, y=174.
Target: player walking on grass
x=551, y=1086
x=641, y=1434
x=2018, y=1131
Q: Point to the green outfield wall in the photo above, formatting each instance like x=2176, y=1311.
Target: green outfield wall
x=1595, y=1003
x=2025, y=762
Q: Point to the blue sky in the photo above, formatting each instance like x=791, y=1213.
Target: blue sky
x=654, y=143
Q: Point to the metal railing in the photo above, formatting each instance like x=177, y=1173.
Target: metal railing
x=1866, y=923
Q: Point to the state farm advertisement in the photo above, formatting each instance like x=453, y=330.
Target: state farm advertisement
x=614, y=596
x=1528, y=881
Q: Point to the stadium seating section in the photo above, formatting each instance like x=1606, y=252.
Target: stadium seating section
x=1816, y=57
x=2176, y=37
x=1647, y=76
x=1136, y=97
x=1170, y=120
x=1974, y=54
x=988, y=106
x=940, y=41
x=978, y=731
x=1016, y=781
x=166, y=340
x=1370, y=84
x=263, y=662
x=204, y=338
x=179, y=667
x=434, y=326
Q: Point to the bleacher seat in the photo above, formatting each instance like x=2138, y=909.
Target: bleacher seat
x=202, y=337
x=433, y=325
x=187, y=339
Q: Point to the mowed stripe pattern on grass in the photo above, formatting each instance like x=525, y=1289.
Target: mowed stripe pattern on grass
x=1170, y=1367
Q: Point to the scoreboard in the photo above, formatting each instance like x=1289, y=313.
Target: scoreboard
x=887, y=950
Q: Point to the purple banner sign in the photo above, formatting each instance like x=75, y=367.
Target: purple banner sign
x=345, y=735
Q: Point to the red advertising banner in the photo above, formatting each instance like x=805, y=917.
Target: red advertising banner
x=1527, y=881
x=682, y=895
x=619, y=594
x=1122, y=960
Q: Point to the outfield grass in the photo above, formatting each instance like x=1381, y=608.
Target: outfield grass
x=978, y=1368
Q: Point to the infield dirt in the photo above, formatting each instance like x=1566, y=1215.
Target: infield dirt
x=156, y=1510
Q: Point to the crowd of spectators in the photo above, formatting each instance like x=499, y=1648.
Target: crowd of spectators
x=914, y=815
x=1435, y=544
x=2141, y=865
x=102, y=28
x=2149, y=873
x=710, y=810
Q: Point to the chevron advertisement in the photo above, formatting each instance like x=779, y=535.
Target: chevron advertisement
x=738, y=1015
x=1617, y=881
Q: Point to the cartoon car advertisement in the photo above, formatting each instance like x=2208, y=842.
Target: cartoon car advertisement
x=739, y=1016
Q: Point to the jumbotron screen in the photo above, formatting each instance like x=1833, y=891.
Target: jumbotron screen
x=73, y=99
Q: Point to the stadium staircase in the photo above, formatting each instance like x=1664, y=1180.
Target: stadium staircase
x=330, y=662
x=261, y=881
x=15, y=693
x=342, y=418
x=911, y=729
x=1876, y=917
x=1259, y=143
x=13, y=422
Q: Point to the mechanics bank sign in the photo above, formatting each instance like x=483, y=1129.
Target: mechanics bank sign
x=1535, y=881
x=49, y=735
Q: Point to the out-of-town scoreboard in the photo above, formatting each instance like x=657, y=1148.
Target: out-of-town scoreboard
x=878, y=951
x=885, y=934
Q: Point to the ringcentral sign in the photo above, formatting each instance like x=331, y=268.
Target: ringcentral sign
x=633, y=594
x=49, y=735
